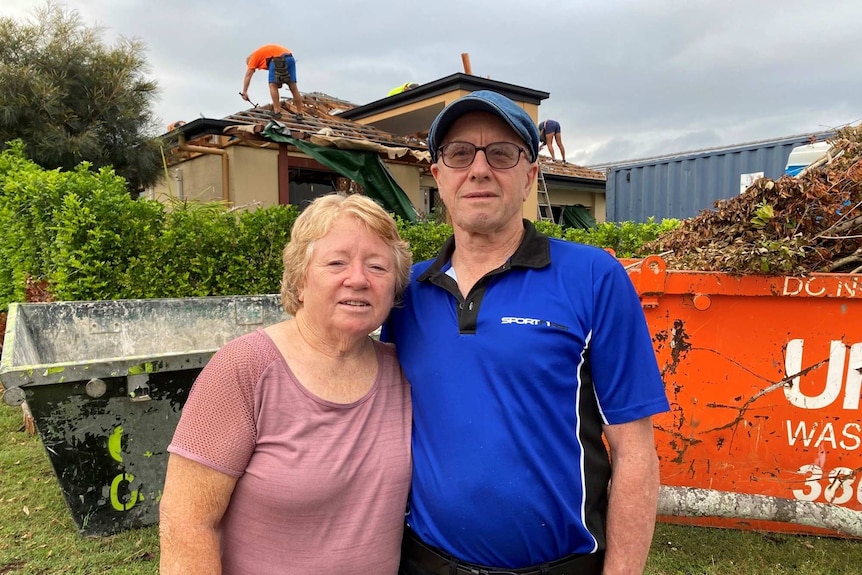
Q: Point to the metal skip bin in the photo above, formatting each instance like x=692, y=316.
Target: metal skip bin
x=763, y=374
x=105, y=382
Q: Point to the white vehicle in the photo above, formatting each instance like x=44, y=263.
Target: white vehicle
x=803, y=156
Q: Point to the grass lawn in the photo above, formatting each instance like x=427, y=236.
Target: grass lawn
x=38, y=536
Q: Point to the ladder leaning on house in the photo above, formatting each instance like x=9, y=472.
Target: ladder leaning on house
x=546, y=214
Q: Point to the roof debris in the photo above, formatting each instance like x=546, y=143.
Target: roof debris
x=321, y=123
x=552, y=167
x=790, y=226
x=320, y=113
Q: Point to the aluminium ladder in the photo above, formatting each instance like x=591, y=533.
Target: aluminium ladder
x=546, y=214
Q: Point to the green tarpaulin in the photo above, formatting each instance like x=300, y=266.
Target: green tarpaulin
x=576, y=217
x=363, y=167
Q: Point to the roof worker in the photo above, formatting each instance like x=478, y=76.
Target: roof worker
x=282, y=70
x=402, y=88
x=549, y=132
x=510, y=470
x=292, y=454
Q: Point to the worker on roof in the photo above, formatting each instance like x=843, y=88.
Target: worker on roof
x=402, y=88
x=282, y=70
x=549, y=132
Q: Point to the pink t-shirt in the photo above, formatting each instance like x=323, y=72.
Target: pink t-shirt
x=322, y=486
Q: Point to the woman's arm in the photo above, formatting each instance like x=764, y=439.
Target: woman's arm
x=194, y=500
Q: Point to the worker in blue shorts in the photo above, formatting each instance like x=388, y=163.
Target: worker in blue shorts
x=550, y=132
x=525, y=354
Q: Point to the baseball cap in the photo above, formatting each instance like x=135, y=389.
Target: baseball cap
x=485, y=101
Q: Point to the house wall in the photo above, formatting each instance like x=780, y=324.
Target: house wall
x=531, y=205
x=254, y=176
x=198, y=179
x=568, y=197
x=427, y=183
x=601, y=211
x=163, y=190
x=422, y=113
x=409, y=178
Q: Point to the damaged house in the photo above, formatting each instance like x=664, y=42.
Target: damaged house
x=379, y=149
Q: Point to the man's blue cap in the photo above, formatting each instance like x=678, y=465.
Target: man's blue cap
x=485, y=101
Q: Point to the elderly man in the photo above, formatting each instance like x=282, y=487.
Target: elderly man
x=524, y=354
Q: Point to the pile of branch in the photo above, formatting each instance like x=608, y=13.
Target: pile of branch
x=790, y=226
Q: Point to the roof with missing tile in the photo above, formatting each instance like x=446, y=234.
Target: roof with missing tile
x=554, y=168
x=320, y=112
x=321, y=117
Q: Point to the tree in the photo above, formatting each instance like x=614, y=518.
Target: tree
x=71, y=98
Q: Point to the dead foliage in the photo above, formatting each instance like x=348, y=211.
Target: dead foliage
x=789, y=226
x=36, y=290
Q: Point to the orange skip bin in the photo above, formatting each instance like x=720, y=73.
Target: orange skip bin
x=763, y=374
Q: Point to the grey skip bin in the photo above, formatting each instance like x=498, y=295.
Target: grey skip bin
x=105, y=382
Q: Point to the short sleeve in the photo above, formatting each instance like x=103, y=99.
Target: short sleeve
x=217, y=425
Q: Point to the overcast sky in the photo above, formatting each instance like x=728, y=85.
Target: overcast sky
x=627, y=79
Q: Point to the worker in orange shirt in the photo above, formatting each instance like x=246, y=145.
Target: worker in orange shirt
x=282, y=70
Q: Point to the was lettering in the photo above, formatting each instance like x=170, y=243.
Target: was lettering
x=847, y=436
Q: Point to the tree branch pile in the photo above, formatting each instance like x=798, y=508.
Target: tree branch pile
x=790, y=226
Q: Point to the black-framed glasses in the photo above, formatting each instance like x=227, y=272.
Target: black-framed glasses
x=499, y=155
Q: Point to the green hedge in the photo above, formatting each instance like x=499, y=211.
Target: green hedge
x=627, y=239
x=81, y=236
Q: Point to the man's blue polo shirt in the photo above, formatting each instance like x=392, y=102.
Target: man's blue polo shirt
x=510, y=389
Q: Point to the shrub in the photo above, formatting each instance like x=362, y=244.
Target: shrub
x=81, y=232
x=627, y=239
x=425, y=238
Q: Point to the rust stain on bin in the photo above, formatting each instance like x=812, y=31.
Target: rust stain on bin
x=764, y=384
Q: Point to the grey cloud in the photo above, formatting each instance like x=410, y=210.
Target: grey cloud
x=626, y=79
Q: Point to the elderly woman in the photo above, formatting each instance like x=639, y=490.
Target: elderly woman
x=292, y=454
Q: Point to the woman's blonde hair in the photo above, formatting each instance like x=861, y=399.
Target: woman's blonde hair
x=317, y=220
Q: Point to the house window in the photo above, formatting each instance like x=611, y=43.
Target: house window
x=307, y=185
x=557, y=212
x=438, y=208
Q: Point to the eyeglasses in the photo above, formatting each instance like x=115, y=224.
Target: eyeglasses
x=499, y=155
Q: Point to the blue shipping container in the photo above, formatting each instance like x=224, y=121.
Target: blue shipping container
x=682, y=185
